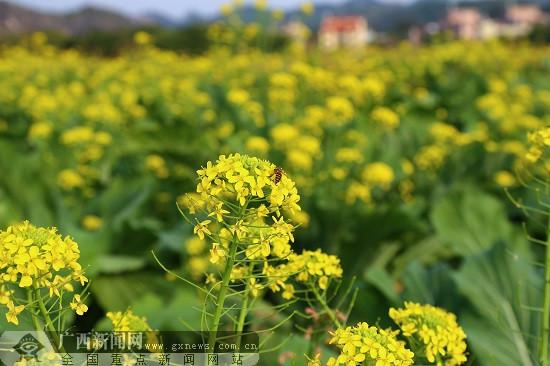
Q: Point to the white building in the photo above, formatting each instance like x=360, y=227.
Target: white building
x=343, y=31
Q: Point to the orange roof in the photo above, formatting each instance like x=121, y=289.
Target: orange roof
x=342, y=24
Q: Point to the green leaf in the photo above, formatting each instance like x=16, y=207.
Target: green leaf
x=470, y=221
x=503, y=288
x=118, y=292
x=178, y=313
x=118, y=263
x=433, y=285
x=381, y=279
x=123, y=199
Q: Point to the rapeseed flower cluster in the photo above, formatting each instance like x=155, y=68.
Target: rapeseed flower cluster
x=364, y=344
x=38, y=258
x=538, y=140
x=126, y=321
x=378, y=174
x=246, y=178
x=385, y=117
x=443, y=340
x=315, y=266
x=243, y=201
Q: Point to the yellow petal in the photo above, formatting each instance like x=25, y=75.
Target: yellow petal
x=26, y=281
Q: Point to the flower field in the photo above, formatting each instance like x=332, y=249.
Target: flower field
x=368, y=207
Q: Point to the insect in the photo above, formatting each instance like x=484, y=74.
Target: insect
x=278, y=174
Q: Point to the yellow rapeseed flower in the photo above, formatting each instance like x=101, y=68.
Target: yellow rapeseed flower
x=364, y=344
x=443, y=339
x=36, y=257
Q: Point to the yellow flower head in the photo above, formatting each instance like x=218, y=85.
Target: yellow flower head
x=128, y=321
x=505, y=179
x=442, y=337
x=37, y=257
x=92, y=222
x=364, y=344
x=385, y=117
x=378, y=175
x=314, y=266
x=157, y=165
x=78, y=306
x=538, y=141
x=142, y=38
x=340, y=110
x=244, y=178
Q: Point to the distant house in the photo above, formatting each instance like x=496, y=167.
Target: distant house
x=519, y=20
x=463, y=22
x=343, y=31
x=469, y=23
x=529, y=15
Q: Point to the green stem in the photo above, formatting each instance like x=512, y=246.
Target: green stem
x=221, y=296
x=325, y=306
x=44, y=312
x=543, y=351
x=48, y=320
x=244, y=311
x=30, y=300
x=244, y=308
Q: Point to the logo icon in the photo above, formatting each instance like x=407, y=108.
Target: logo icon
x=28, y=346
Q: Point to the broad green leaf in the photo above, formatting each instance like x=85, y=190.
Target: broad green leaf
x=110, y=263
x=502, y=287
x=118, y=292
x=470, y=221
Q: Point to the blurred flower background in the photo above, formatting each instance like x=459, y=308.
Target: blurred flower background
x=414, y=132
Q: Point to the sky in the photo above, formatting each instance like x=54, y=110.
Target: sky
x=175, y=8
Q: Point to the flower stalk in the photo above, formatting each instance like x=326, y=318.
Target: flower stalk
x=545, y=331
x=221, y=296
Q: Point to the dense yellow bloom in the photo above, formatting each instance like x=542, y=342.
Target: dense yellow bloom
x=128, y=321
x=300, y=160
x=92, y=222
x=340, y=110
x=444, y=133
x=430, y=157
x=385, y=117
x=538, y=141
x=247, y=198
x=315, y=267
x=245, y=178
x=257, y=144
x=142, y=38
x=378, y=175
x=437, y=330
x=39, y=130
x=195, y=246
x=369, y=345
x=505, y=179
x=77, y=135
x=349, y=155
x=284, y=134
x=358, y=191
x=238, y=96
x=157, y=165
x=37, y=257
x=69, y=179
